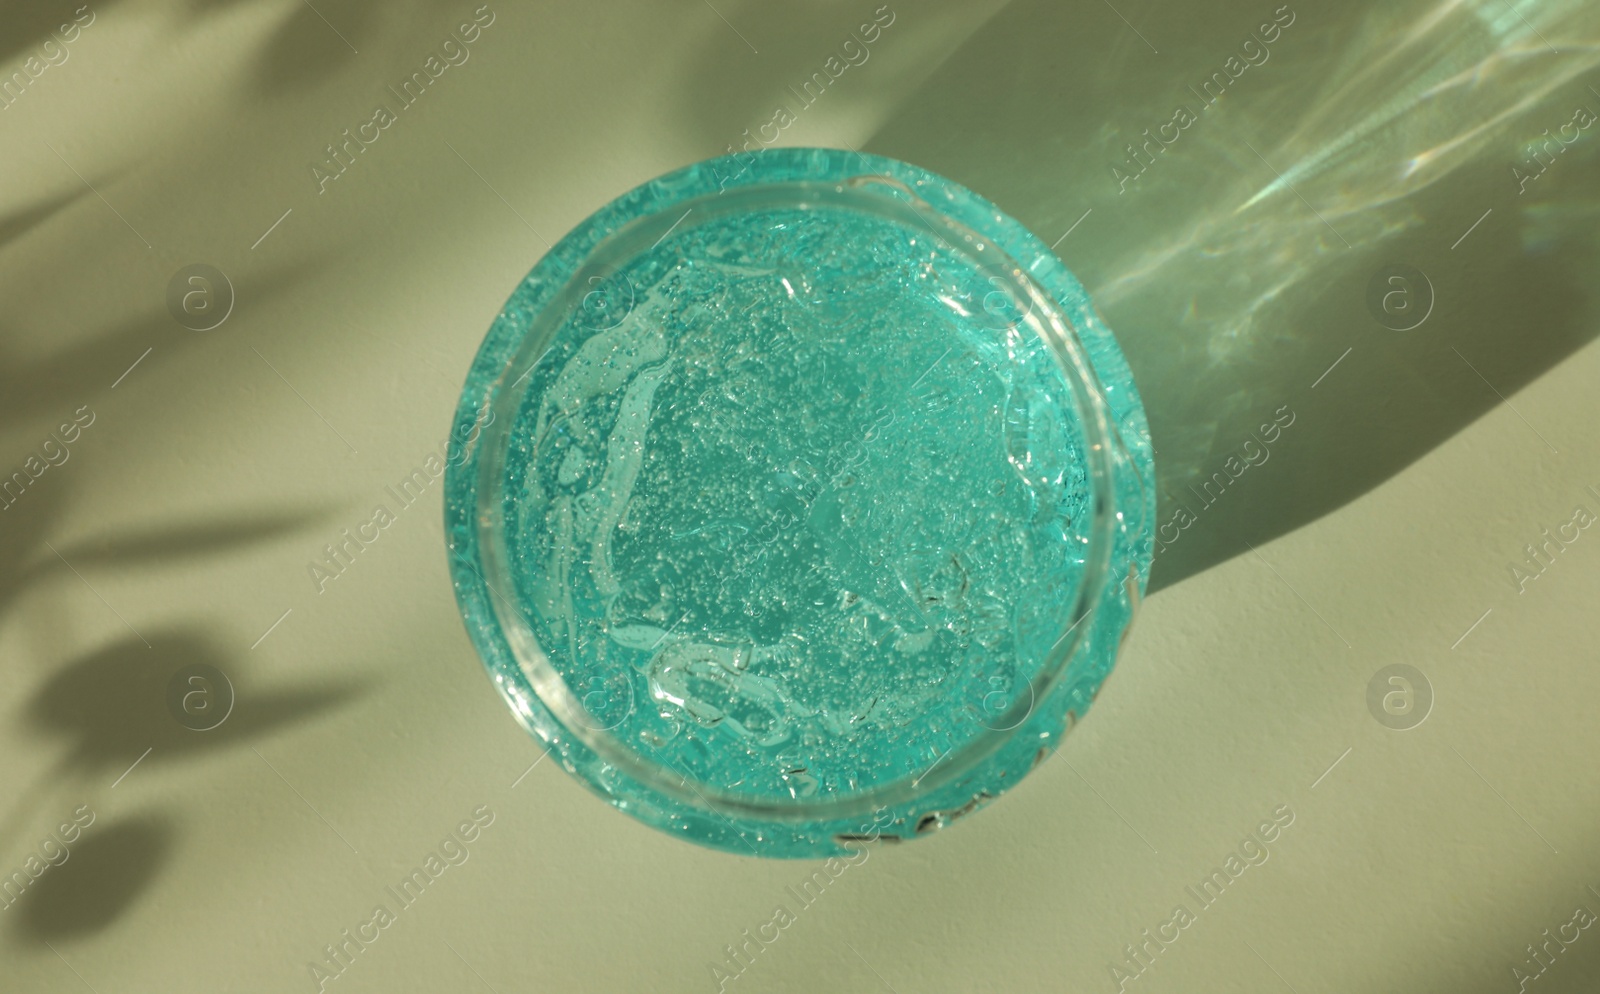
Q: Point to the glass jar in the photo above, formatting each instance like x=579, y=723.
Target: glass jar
x=799, y=499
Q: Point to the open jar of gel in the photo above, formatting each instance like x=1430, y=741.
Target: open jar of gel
x=797, y=499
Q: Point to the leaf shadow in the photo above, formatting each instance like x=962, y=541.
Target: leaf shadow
x=29, y=558
x=113, y=711
x=33, y=387
x=101, y=878
x=111, y=705
x=19, y=223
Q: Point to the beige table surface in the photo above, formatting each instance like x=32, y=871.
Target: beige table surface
x=219, y=463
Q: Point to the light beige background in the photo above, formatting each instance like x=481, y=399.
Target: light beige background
x=364, y=729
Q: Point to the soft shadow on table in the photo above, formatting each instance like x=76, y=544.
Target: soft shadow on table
x=110, y=705
x=42, y=31
x=1229, y=313
x=29, y=556
x=303, y=49
x=56, y=384
x=105, y=712
x=18, y=223
x=111, y=710
x=767, y=56
x=105, y=871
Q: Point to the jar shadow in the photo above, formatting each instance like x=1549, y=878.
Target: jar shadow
x=1244, y=264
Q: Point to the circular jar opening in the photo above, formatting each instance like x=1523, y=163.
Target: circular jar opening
x=782, y=490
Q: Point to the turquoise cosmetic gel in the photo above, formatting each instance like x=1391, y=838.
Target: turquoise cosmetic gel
x=796, y=498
